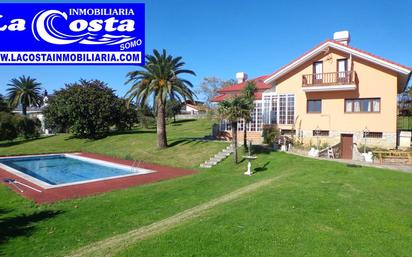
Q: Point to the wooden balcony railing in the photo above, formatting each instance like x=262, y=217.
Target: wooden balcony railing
x=329, y=79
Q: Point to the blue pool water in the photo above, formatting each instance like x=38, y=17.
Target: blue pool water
x=61, y=169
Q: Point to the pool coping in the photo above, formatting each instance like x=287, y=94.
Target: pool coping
x=88, y=188
x=45, y=185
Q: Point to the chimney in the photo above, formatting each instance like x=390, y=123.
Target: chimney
x=241, y=77
x=342, y=37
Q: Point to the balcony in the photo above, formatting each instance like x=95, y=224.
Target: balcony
x=332, y=81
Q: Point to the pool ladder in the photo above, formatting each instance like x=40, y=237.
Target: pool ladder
x=135, y=165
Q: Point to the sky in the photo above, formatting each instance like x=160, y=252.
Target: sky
x=221, y=37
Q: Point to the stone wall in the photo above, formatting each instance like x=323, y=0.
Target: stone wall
x=387, y=141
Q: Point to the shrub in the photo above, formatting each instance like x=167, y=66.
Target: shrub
x=12, y=126
x=8, y=126
x=323, y=145
x=28, y=127
x=270, y=134
x=87, y=108
x=126, y=117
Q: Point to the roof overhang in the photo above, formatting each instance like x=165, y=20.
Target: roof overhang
x=354, y=52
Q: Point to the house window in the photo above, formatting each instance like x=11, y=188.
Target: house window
x=376, y=105
x=256, y=118
x=282, y=109
x=266, y=109
x=240, y=125
x=274, y=111
x=278, y=109
x=314, y=106
x=288, y=132
x=372, y=134
x=258, y=107
x=363, y=105
x=348, y=106
x=320, y=133
x=290, y=109
x=342, y=70
x=227, y=125
x=318, y=71
x=342, y=65
x=252, y=123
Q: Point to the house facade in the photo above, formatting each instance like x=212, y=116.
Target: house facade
x=332, y=93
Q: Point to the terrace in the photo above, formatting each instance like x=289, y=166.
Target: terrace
x=331, y=81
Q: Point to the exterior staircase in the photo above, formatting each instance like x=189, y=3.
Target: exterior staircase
x=218, y=157
x=330, y=152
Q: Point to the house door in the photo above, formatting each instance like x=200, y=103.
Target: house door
x=317, y=72
x=342, y=70
x=346, y=143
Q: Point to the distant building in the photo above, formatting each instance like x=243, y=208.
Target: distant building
x=37, y=112
x=193, y=108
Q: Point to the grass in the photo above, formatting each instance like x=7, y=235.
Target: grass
x=139, y=144
x=323, y=209
x=320, y=208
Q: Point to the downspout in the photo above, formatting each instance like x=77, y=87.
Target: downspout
x=407, y=81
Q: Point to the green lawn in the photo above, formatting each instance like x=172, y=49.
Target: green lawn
x=139, y=144
x=320, y=208
x=324, y=209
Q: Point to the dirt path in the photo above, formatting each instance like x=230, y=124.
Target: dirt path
x=113, y=245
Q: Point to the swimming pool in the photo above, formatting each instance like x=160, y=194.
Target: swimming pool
x=56, y=170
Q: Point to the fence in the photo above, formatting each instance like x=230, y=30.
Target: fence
x=190, y=116
x=404, y=122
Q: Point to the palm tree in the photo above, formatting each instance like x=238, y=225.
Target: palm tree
x=159, y=79
x=232, y=110
x=249, y=95
x=25, y=91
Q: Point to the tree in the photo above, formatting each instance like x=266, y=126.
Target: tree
x=249, y=96
x=25, y=91
x=126, y=116
x=232, y=110
x=172, y=108
x=4, y=107
x=210, y=87
x=8, y=126
x=159, y=79
x=87, y=108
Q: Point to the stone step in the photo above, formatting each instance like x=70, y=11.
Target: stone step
x=215, y=160
x=222, y=154
x=218, y=157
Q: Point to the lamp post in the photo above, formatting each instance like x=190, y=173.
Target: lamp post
x=365, y=134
